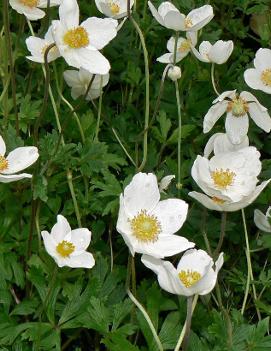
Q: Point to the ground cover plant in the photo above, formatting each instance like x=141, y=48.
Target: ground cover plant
x=143, y=222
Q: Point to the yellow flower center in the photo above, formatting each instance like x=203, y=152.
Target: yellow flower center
x=29, y=3
x=188, y=23
x=217, y=200
x=76, y=38
x=65, y=248
x=266, y=77
x=185, y=46
x=189, y=277
x=114, y=8
x=222, y=178
x=3, y=163
x=238, y=107
x=145, y=227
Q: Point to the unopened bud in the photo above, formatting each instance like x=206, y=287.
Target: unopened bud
x=174, y=73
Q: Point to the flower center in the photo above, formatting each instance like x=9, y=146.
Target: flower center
x=76, y=38
x=114, y=8
x=189, y=277
x=3, y=163
x=188, y=23
x=266, y=77
x=222, y=178
x=238, y=107
x=65, y=248
x=185, y=46
x=217, y=200
x=29, y=3
x=145, y=227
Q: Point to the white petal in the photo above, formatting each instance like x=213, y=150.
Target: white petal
x=262, y=59
x=155, y=14
x=231, y=94
x=165, y=182
x=200, y=17
x=80, y=238
x=236, y=127
x=219, y=143
x=195, y=260
x=166, y=274
x=49, y=243
x=253, y=79
x=260, y=117
x=262, y=221
x=141, y=194
x=206, y=201
x=71, y=77
x=166, y=58
x=21, y=158
x=13, y=177
x=209, y=147
x=84, y=260
x=2, y=146
x=171, y=213
x=32, y=13
x=221, y=51
x=214, y=113
x=69, y=14
x=175, y=20
x=60, y=229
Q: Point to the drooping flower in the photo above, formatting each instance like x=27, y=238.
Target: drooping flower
x=237, y=108
x=80, y=44
x=80, y=80
x=263, y=221
x=38, y=46
x=147, y=224
x=259, y=78
x=196, y=273
x=183, y=48
x=228, y=179
x=217, y=53
x=68, y=247
x=174, y=73
x=170, y=17
x=17, y=160
x=32, y=8
x=113, y=8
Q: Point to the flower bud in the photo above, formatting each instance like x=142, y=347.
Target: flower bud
x=174, y=73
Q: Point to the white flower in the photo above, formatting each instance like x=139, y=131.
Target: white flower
x=263, y=221
x=31, y=8
x=174, y=73
x=194, y=274
x=79, y=82
x=170, y=17
x=16, y=161
x=237, y=108
x=80, y=44
x=38, y=46
x=228, y=179
x=260, y=77
x=68, y=247
x=113, y=8
x=165, y=182
x=147, y=224
x=184, y=46
x=217, y=53
x=220, y=143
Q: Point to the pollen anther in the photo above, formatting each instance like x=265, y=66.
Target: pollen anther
x=76, y=38
x=266, y=77
x=29, y=3
x=145, y=227
x=223, y=178
x=114, y=8
x=65, y=248
x=3, y=163
x=189, y=277
x=238, y=107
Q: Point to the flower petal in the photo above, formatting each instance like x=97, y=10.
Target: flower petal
x=2, y=147
x=155, y=14
x=205, y=201
x=260, y=117
x=81, y=238
x=60, y=229
x=49, y=243
x=261, y=221
x=214, y=113
x=262, y=59
x=236, y=127
x=200, y=17
x=69, y=14
x=21, y=158
x=13, y=177
x=84, y=260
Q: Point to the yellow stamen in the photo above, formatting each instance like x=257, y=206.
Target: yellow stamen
x=145, y=227
x=222, y=178
x=238, y=107
x=29, y=3
x=188, y=23
x=114, y=8
x=65, y=248
x=185, y=46
x=266, y=77
x=189, y=278
x=3, y=163
x=76, y=38
x=217, y=200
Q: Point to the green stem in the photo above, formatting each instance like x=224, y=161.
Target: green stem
x=75, y=204
x=222, y=234
x=147, y=98
x=123, y=147
x=213, y=79
x=99, y=110
x=179, y=185
x=147, y=318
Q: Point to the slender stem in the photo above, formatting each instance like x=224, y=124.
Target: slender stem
x=179, y=134
x=147, y=101
x=186, y=324
x=76, y=208
x=247, y=288
x=123, y=147
x=213, y=79
x=222, y=234
x=249, y=267
x=147, y=318
x=99, y=110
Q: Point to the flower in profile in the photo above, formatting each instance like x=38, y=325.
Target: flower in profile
x=79, y=82
x=237, y=108
x=32, y=8
x=80, y=44
x=165, y=182
x=147, y=224
x=259, y=78
x=17, y=160
x=228, y=179
x=68, y=247
x=217, y=53
x=196, y=273
x=183, y=48
x=263, y=221
x=113, y=8
x=170, y=17
x=38, y=46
